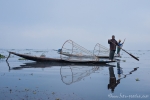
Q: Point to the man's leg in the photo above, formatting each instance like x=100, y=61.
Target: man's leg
x=110, y=54
x=113, y=53
x=118, y=51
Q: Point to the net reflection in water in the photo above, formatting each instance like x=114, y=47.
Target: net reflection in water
x=72, y=74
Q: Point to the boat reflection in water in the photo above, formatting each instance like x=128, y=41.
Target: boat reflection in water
x=112, y=80
x=70, y=73
x=74, y=72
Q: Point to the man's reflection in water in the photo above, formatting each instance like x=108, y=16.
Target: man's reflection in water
x=112, y=80
x=119, y=69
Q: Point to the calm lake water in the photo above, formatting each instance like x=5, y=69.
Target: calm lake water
x=28, y=80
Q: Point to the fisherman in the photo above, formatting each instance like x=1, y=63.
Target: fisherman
x=119, y=47
x=113, y=44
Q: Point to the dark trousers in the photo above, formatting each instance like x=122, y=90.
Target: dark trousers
x=111, y=54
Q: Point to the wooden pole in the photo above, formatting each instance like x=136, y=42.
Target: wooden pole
x=126, y=52
x=8, y=56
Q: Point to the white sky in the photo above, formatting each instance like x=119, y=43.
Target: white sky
x=47, y=24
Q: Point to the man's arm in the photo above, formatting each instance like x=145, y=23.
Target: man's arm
x=109, y=41
x=117, y=43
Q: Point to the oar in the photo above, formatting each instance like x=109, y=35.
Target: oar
x=126, y=52
x=124, y=40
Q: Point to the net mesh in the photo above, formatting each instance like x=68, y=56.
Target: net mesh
x=100, y=50
x=71, y=51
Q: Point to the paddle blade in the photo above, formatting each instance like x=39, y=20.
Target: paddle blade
x=134, y=57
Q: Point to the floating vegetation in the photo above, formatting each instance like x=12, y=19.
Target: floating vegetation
x=22, y=59
x=2, y=56
x=17, y=93
x=137, y=79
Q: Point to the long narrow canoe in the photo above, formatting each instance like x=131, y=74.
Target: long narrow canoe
x=47, y=59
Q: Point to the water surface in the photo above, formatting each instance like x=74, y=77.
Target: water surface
x=28, y=80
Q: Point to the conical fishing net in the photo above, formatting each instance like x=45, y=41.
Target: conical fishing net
x=101, y=51
x=71, y=51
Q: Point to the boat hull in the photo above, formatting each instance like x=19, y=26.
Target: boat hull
x=46, y=59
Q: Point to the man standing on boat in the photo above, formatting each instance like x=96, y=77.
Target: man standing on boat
x=113, y=44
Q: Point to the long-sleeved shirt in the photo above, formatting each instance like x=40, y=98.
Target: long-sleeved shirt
x=112, y=45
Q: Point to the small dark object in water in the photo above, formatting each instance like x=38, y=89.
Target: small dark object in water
x=137, y=79
x=10, y=90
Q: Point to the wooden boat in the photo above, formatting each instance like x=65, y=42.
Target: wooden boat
x=47, y=59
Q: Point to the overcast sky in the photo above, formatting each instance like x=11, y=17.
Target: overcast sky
x=47, y=24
